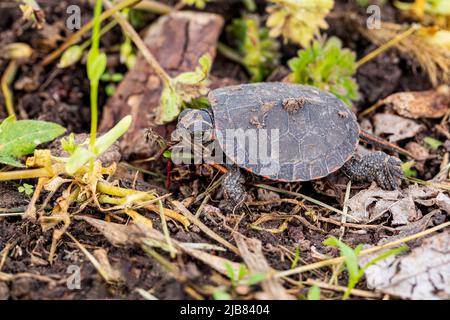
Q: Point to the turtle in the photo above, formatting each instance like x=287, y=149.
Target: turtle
x=317, y=134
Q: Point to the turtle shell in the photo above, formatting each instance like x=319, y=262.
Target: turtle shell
x=283, y=131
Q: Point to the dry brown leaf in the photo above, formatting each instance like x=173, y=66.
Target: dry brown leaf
x=373, y=203
x=396, y=127
x=424, y=273
x=113, y=275
x=421, y=104
x=369, y=205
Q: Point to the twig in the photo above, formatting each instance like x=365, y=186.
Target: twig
x=296, y=194
x=134, y=36
x=204, y=228
x=345, y=208
x=85, y=28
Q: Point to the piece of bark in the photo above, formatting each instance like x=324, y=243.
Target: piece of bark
x=177, y=41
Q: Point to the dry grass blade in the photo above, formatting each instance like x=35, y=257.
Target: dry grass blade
x=251, y=252
x=354, y=292
x=104, y=270
x=434, y=59
x=166, y=231
x=204, y=228
x=339, y=260
x=296, y=194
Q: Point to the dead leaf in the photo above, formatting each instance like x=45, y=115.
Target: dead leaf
x=424, y=273
x=421, y=104
x=443, y=202
x=396, y=127
x=371, y=204
x=113, y=275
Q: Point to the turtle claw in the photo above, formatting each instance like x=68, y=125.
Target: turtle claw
x=234, y=191
x=378, y=166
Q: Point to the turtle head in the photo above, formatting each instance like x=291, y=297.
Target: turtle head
x=196, y=122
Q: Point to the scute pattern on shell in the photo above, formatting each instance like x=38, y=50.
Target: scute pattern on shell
x=314, y=141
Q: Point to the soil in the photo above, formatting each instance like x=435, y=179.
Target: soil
x=62, y=96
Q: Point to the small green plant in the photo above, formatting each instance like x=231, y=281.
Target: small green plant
x=259, y=53
x=112, y=79
x=199, y=4
x=26, y=188
x=19, y=138
x=183, y=89
x=328, y=66
x=408, y=170
x=432, y=143
x=351, y=261
x=298, y=20
x=243, y=277
x=96, y=66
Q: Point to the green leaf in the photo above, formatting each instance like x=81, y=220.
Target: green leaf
x=19, y=138
x=432, y=143
x=314, y=293
x=83, y=155
x=110, y=89
x=71, y=56
x=221, y=294
x=96, y=65
x=170, y=105
x=69, y=144
x=230, y=271
x=408, y=170
x=351, y=261
x=255, y=278
x=167, y=154
x=26, y=188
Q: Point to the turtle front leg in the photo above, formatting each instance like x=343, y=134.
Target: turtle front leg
x=233, y=188
x=377, y=166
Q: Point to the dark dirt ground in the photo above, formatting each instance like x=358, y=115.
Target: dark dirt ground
x=62, y=97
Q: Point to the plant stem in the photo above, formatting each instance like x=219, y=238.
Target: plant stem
x=94, y=82
x=29, y=174
x=111, y=190
x=134, y=36
x=7, y=78
x=85, y=28
x=94, y=119
x=388, y=45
